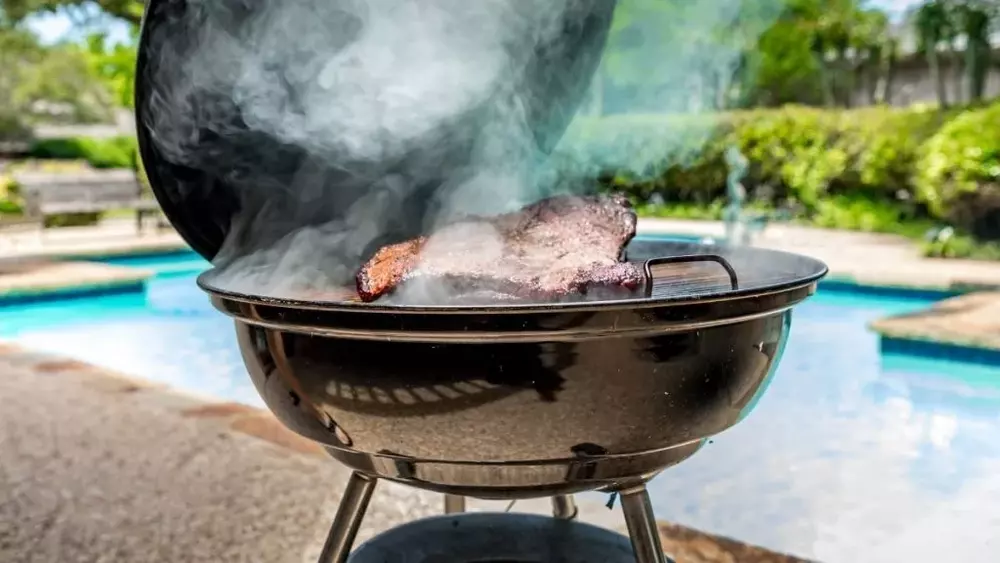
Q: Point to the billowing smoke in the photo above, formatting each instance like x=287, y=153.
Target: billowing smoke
x=670, y=68
x=340, y=125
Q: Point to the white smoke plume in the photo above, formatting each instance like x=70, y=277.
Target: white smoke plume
x=340, y=124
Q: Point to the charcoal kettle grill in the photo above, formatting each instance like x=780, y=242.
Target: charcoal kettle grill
x=500, y=401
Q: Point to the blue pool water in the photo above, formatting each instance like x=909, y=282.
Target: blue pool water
x=678, y=237
x=183, y=262
x=850, y=452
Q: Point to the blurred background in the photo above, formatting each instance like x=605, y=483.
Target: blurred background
x=865, y=133
x=865, y=115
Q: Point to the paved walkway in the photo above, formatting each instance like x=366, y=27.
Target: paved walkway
x=98, y=467
x=111, y=237
x=866, y=258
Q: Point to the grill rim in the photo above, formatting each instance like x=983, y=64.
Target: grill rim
x=810, y=272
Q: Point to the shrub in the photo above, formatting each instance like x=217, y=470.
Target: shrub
x=962, y=247
x=10, y=197
x=892, y=146
x=13, y=129
x=72, y=220
x=116, y=152
x=958, y=174
x=10, y=207
x=840, y=168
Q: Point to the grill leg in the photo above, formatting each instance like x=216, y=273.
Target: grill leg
x=454, y=504
x=345, y=526
x=564, y=507
x=642, y=526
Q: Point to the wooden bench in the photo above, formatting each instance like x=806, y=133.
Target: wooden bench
x=92, y=191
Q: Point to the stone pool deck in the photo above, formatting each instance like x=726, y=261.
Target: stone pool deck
x=32, y=265
x=971, y=321
x=25, y=278
x=100, y=467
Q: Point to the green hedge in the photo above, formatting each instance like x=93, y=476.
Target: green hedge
x=115, y=152
x=72, y=220
x=13, y=129
x=860, y=169
x=958, y=174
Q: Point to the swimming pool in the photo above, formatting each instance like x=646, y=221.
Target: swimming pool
x=681, y=237
x=850, y=449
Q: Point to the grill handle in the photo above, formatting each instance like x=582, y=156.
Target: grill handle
x=652, y=263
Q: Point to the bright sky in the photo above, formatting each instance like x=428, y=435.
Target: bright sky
x=54, y=27
x=894, y=7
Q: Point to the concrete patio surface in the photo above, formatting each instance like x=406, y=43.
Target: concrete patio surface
x=866, y=258
x=100, y=467
x=110, y=237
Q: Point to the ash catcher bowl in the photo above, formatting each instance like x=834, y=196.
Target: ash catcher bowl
x=288, y=140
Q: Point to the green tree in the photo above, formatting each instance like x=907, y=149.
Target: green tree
x=18, y=51
x=114, y=65
x=671, y=55
x=785, y=69
x=934, y=26
x=46, y=82
x=840, y=35
x=873, y=46
x=974, y=19
x=61, y=86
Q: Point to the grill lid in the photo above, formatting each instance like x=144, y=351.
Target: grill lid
x=206, y=164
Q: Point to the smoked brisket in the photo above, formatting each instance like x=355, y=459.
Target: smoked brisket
x=556, y=248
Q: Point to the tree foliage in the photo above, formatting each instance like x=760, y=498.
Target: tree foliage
x=77, y=83
x=794, y=51
x=114, y=66
x=819, y=52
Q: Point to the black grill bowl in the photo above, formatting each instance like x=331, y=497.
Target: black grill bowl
x=527, y=400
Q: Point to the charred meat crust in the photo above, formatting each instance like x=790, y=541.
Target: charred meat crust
x=552, y=249
x=388, y=268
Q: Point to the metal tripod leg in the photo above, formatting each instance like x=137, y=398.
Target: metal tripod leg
x=642, y=526
x=454, y=504
x=345, y=526
x=564, y=507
